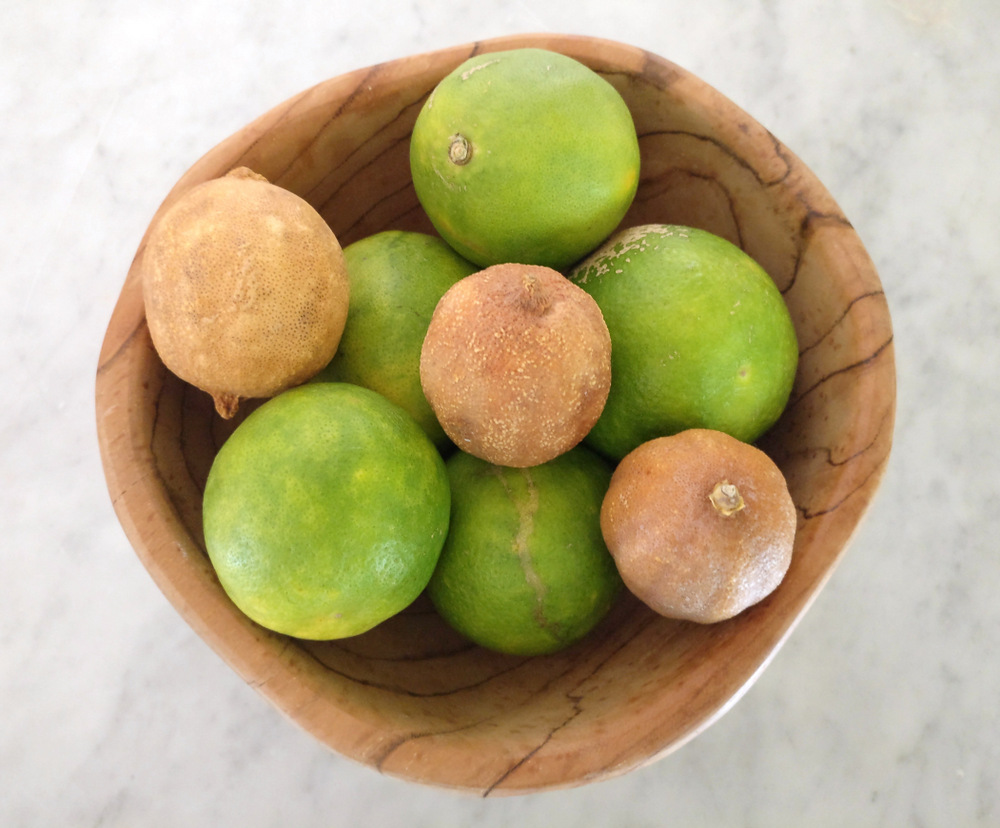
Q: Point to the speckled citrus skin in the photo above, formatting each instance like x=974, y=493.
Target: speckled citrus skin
x=526, y=156
x=245, y=288
x=681, y=553
x=516, y=364
x=325, y=511
x=524, y=569
x=702, y=338
x=397, y=279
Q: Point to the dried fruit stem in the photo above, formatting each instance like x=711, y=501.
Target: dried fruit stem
x=726, y=498
x=459, y=150
x=535, y=298
x=226, y=405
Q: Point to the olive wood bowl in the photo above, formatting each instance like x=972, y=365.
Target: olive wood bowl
x=411, y=698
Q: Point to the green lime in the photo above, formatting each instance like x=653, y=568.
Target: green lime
x=325, y=511
x=524, y=156
x=700, y=337
x=525, y=569
x=397, y=278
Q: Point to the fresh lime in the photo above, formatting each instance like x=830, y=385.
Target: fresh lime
x=524, y=156
x=700, y=337
x=325, y=511
x=524, y=569
x=397, y=278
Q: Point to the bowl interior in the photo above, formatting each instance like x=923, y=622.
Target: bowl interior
x=411, y=698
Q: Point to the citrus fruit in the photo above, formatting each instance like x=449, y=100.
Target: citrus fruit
x=245, y=288
x=325, y=511
x=700, y=524
x=701, y=337
x=516, y=364
x=526, y=156
x=524, y=570
x=397, y=278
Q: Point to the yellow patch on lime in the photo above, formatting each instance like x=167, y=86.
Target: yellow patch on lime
x=325, y=511
x=524, y=156
x=700, y=337
x=525, y=570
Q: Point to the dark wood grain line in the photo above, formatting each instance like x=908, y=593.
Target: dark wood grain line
x=807, y=228
x=396, y=744
x=874, y=472
x=861, y=363
x=575, y=710
x=651, y=191
x=177, y=499
x=840, y=319
x=886, y=419
x=105, y=364
x=404, y=691
x=571, y=694
x=575, y=698
x=428, y=655
x=726, y=150
x=370, y=73
x=281, y=116
x=785, y=155
x=388, y=149
x=376, y=204
x=655, y=72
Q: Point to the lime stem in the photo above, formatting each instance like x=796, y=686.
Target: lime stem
x=459, y=150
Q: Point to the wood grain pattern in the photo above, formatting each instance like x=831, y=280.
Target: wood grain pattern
x=411, y=698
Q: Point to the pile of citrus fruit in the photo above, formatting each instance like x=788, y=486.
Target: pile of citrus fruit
x=521, y=415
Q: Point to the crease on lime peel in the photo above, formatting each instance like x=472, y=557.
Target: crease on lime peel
x=526, y=511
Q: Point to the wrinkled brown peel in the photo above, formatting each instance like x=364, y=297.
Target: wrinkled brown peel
x=245, y=289
x=693, y=557
x=516, y=364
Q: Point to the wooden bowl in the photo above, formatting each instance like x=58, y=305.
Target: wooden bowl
x=411, y=698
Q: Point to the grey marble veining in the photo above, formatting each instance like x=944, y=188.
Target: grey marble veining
x=880, y=710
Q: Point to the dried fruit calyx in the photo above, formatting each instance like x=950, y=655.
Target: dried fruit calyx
x=726, y=498
x=245, y=288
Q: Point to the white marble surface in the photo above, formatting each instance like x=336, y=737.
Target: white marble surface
x=881, y=710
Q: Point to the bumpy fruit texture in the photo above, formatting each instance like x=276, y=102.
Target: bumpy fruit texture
x=516, y=364
x=245, y=289
x=701, y=337
x=325, y=511
x=524, y=156
x=700, y=524
x=525, y=570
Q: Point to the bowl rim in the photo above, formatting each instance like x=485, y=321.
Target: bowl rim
x=156, y=532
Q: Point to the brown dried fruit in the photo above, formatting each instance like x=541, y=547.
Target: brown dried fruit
x=516, y=364
x=700, y=524
x=245, y=289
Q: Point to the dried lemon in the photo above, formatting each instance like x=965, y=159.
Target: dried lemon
x=245, y=289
